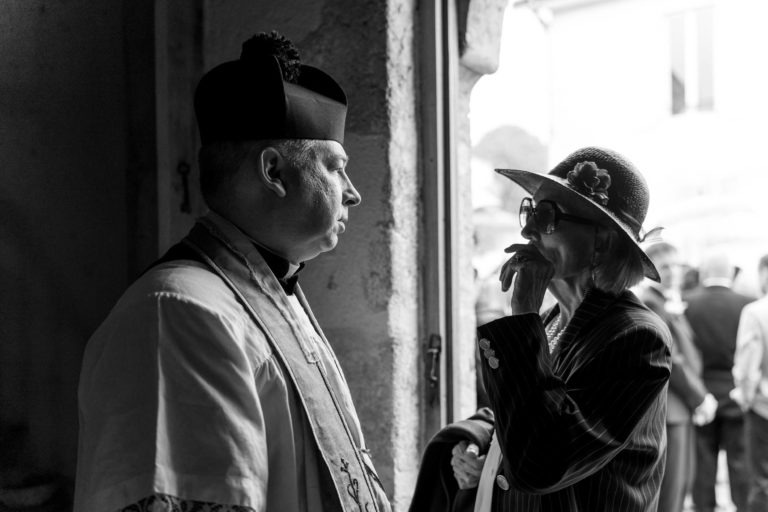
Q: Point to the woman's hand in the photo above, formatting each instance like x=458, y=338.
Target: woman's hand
x=467, y=465
x=534, y=272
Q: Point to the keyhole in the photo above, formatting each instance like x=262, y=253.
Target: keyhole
x=183, y=169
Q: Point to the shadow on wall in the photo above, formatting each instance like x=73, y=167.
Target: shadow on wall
x=38, y=372
x=23, y=488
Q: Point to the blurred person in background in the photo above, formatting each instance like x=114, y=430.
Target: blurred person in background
x=578, y=393
x=713, y=312
x=750, y=375
x=690, y=279
x=688, y=401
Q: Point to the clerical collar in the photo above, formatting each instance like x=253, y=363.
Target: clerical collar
x=287, y=273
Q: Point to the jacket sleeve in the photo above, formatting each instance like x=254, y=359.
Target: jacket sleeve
x=553, y=435
x=748, y=358
x=684, y=380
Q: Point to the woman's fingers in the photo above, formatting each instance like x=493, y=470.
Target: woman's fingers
x=506, y=275
x=516, y=247
x=468, y=475
x=524, y=255
x=528, y=273
x=458, y=463
x=464, y=480
x=465, y=474
x=459, y=448
x=474, y=468
x=523, y=251
x=468, y=462
x=467, y=465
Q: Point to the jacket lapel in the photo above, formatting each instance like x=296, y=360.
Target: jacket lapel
x=575, y=342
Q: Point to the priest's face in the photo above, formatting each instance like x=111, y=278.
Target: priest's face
x=319, y=195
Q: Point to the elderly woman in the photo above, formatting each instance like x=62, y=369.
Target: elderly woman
x=578, y=392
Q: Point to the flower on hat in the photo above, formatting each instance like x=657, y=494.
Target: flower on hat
x=589, y=180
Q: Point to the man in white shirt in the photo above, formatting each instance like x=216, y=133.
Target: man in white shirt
x=750, y=374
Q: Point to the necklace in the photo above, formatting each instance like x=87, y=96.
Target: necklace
x=554, y=332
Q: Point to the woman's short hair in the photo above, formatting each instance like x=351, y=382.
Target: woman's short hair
x=620, y=268
x=219, y=161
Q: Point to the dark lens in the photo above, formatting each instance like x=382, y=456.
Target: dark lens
x=545, y=217
x=526, y=209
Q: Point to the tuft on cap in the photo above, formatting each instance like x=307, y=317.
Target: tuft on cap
x=273, y=44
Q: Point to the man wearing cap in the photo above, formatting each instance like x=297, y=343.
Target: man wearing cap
x=210, y=385
x=750, y=375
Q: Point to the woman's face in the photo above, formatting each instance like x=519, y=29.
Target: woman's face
x=571, y=245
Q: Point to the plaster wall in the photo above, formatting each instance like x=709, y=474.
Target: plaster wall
x=365, y=293
x=63, y=199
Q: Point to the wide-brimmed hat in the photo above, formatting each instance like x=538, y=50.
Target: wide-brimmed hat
x=268, y=94
x=605, y=182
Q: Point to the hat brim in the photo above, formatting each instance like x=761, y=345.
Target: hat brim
x=533, y=182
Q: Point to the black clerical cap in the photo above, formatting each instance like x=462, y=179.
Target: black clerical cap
x=268, y=94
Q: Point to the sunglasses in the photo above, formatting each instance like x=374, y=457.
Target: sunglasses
x=546, y=215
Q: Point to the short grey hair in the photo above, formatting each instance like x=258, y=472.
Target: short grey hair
x=716, y=264
x=621, y=268
x=219, y=161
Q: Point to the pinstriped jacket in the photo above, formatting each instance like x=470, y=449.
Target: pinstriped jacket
x=582, y=429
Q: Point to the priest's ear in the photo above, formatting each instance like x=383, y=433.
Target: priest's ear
x=270, y=167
